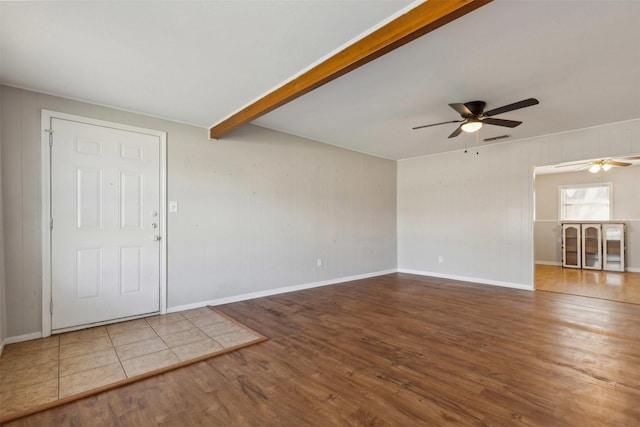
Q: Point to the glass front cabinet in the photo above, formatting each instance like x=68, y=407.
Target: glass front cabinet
x=613, y=247
x=594, y=246
x=591, y=246
x=571, y=248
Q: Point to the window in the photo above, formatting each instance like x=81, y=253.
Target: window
x=591, y=202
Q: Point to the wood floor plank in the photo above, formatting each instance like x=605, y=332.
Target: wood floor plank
x=399, y=350
x=611, y=285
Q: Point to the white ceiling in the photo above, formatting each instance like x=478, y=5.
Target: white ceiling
x=191, y=61
x=198, y=62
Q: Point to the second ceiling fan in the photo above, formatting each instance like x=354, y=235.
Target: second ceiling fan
x=474, y=116
x=595, y=166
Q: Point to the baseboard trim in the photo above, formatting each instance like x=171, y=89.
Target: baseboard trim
x=468, y=279
x=269, y=292
x=556, y=263
x=21, y=338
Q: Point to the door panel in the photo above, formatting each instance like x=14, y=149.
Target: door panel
x=105, y=204
x=89, y=198
x=88, y=274
x=131, y=200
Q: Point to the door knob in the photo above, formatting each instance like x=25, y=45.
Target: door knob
x=156, y=238
x=154, y=225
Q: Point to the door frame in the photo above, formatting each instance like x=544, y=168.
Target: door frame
x=45, y=172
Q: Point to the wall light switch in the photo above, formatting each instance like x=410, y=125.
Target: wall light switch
x=173, y=206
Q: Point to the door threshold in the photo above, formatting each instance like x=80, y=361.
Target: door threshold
x=105, y=322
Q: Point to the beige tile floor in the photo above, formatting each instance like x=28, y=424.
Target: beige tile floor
x=44, y=370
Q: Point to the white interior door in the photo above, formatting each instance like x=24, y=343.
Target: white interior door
x=105, y=206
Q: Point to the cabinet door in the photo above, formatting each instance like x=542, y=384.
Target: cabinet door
x=571, y=245
x=613, y=247
x=591, y=246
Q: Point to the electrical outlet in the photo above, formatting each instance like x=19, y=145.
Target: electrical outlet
x=173, y=206
x=319, y=262
x=440, y=259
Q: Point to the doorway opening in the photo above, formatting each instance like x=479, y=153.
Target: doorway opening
x=549, y=246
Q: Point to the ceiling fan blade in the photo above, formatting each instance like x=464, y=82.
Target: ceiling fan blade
x=515, y=106
x=501, y=122
x=630, y=158
x=456, y=132
x=462, y=109
x=614, y=163
x=437, y=124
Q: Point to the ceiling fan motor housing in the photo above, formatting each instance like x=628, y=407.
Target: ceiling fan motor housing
x=475, y=107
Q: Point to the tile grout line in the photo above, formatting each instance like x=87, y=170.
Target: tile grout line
x=137, y=341
x=113, y=346
x=78, y=355
x=196, y=327
x=224, y=318
x=212, y=338
x=165, y=343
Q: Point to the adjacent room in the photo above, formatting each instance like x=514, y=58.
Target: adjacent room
x=600, y=259
x=327, y=213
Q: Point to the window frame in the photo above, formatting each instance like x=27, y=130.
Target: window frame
x=561, y=203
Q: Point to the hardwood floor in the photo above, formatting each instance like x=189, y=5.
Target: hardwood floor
x=623, y=287
x=399, y=350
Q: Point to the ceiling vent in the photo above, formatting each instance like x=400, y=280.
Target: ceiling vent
x=496, y=138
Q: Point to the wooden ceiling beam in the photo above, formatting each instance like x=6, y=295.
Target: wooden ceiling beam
x=417, y=22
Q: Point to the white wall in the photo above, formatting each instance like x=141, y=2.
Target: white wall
x=477, y=210
x=626, y=193
x=256, y=209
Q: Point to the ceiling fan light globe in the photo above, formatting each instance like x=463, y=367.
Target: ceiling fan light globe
x=471, y=126
x=606, y=167
x=594, y=168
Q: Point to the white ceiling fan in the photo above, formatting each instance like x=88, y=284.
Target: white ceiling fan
x=595, y=166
